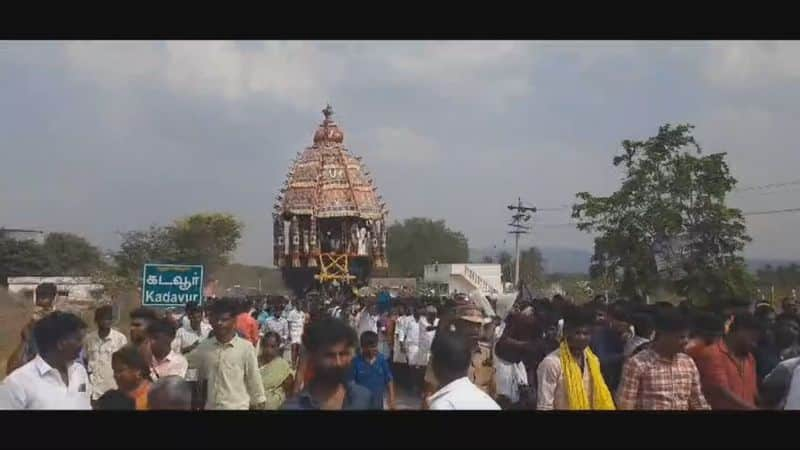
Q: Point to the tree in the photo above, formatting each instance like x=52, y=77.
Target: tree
x=71, y=255
x=153, y=245
x=669, y=199
x=419, y=241
x=63, y=254
x=206, y=239
x=21, y=258
x=506, y=266
x=531, y=268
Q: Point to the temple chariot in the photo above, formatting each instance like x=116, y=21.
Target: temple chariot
x=329, y=222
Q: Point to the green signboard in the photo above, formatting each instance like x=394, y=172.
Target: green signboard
x=171, y=285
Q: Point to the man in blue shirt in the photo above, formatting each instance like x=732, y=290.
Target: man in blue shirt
x=371, y=370
x=263, y=316
x=607, y=341
x=384, y=301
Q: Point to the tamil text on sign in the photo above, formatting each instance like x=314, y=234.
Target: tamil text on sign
x=171, y=284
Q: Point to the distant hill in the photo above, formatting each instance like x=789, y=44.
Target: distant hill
x=754, y=264
x=568, y=260
x=557, y=259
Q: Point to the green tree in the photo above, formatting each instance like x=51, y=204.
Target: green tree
x=71, y=255
x=419, y=241
x=21, y=258
x=207, y=239
x=668, y=195
x=531, y=266
x=60, y=254
x=154, y=245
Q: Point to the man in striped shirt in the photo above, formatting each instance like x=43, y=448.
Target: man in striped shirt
x=662, y=377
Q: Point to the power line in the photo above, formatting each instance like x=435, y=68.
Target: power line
x=521, y=214
x=555, y=225
x=735, y=191
x=746, y=213
x=561, y=208
x=767, y=186
x=774, y=211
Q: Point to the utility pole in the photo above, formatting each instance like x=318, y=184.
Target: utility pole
x=522, y=214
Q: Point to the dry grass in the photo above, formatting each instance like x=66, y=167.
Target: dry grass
x=14, y=313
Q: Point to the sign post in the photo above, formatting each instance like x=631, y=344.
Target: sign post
x=171, y=285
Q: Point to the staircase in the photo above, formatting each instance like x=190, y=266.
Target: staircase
x=465, y=278
x=478, y=281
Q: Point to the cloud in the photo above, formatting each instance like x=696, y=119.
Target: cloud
x=401, y=146
x=494, y=71
x=298, y=74
x=452, y=130
x=751, y=65
x=115, y=64
x=760, y=142
x=306, y=74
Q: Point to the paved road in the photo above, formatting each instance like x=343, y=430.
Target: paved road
x=406, y=401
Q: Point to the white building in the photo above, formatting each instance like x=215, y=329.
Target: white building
x=73, y=290
x=464, y=278
x=20, y=234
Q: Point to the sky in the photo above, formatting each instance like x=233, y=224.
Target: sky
x=98, y=138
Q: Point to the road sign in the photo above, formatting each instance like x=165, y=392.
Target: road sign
x=171, y=285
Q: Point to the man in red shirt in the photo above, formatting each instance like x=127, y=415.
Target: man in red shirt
x=728, y=368
x=246, y=325
x=707, y=329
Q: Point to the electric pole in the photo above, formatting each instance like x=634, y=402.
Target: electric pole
x=522, y=214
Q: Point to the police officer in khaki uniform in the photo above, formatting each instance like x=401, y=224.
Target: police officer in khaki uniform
x=469, y=320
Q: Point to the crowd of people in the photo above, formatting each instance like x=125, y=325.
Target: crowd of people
x=355, y=353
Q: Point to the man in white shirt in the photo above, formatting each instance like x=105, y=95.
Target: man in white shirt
x=296, y=319
x=552, y=390
x=189, y=336
x=53, y=379
x=400, y=335
x=164, y=361
x=776, y=385
x=450, y=361
x=411, y=349
x=355, y=311
x=368, y=320
x=99, y=346
x=427, y=331
x=792, y=399
x=399, y=358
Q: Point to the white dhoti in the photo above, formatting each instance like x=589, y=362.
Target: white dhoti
x=399, y=356
x=296, y=337
x=423, y=356
x=509, y=377
x=412, y=355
